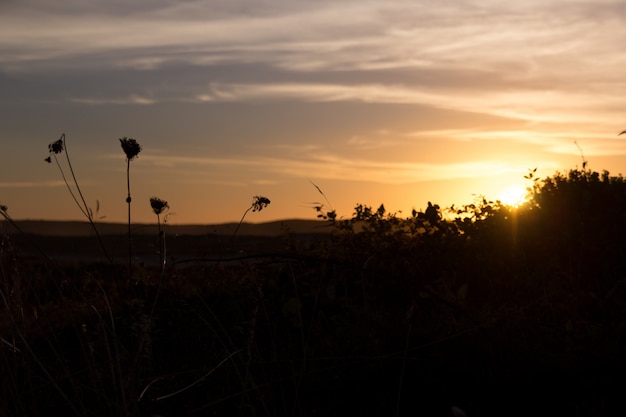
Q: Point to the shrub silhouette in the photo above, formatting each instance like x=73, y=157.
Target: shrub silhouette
x=557, y=260
x=580, y=219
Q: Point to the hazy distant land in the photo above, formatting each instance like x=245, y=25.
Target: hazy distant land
x=76, y=240
x=82, y=228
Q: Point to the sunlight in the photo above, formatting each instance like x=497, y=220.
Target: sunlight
x=513, y=195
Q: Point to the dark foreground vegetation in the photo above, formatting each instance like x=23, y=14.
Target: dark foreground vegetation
x=500, y=311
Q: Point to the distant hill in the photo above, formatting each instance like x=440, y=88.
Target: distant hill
x=79, y=228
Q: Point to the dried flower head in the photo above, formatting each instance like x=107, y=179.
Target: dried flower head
x=56, y=146
x=3, y=207
x=131, y=147
x=259, y=203
x=158, y=205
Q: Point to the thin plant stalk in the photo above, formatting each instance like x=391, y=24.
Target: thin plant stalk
x=162, y=248
x=245, y=213
x=194, y=383
x=158, y=207
x=128, y=200
x=78, y=204
x=131, y=148
x=59, y=146
x=330, y=215
x=258, y=204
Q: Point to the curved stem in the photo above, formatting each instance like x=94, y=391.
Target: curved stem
x=240, y=222
x=83, y=208
x=67, y=184
x=162, y=248
x=69, y=164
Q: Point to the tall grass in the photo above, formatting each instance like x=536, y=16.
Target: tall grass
x=113, y=374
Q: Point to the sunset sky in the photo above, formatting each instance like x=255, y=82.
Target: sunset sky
x=398, y=102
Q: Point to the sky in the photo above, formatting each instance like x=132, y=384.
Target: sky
x=391, y=102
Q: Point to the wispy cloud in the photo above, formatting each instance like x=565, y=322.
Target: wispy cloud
x=350, y=35
x=597, y=143
x=549, y=105
x=132, y=99
x=536, y=61
x=341, y=168
x=533, y=105
x=330, y=166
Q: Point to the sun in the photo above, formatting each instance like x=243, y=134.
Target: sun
x=513, y=195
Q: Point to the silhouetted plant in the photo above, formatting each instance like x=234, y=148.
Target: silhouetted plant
x=258, y=204
x=582, y=155
x=330, y=215
x=4, y=213
x=158, y=207
x=131, y=149
x=432, y=214
x=581, y=216
x=56, y=148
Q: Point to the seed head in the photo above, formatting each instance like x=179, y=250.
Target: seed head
x=56, y=146
x=3, y=208
x=131, y=147
x=158, y=205
x=259, y=203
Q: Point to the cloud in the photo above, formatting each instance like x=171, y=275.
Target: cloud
x=596, y=142
x=536, y=61
x=299, y=36
x=545, y=106
x=342, y=168
x=327, y=166
x=132, y=99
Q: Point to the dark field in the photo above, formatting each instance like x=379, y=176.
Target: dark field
x=508, y=313
x=145, y=249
